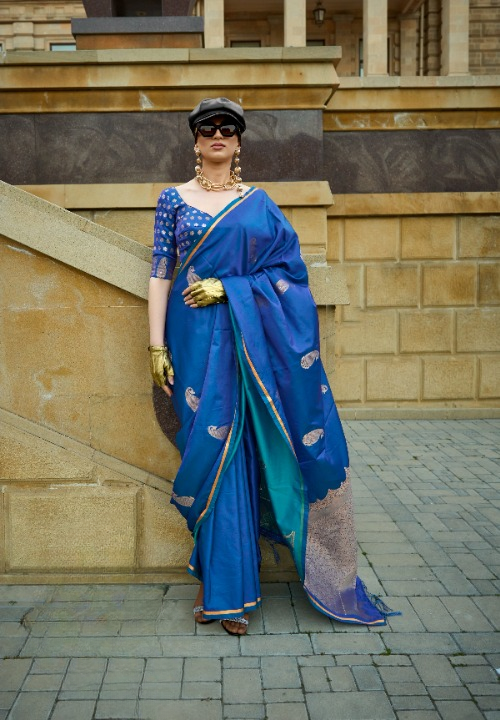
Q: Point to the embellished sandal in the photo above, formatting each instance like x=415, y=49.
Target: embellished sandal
x=198, y=609
x=240, y=620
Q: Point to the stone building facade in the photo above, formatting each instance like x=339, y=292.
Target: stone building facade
x=418, y=33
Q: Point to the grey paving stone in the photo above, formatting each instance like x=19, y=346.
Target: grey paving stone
x=160, y=690
x=367, y=677
x=99, y=628
x=359, y=705
x=411, y=702
x=49, y=666
x=350, y=660
x=340, y=643
x=85, y=665
x=93, y=647
x=242, y=686
x=205, y=669
x=402, y=688
x=13, y=630
x=83, y=682
x=399, y=674
x=280, y=672
x=74, y=710
x=120, y=691
x=25, y=593
x=278, y=615
x=132, y=628
x=245, y=712
x=176, y=618
x=275, y=645
x=414, y=588
x=163, y=670
x=7, y=700
x=33, y=705
x=12, y=673
x=341, y=678
x=434, y=555
x=471, y=567
x=201, y=690
x=317, y=661
x=287, y=711
x=179, y=709
x=200, y=646
x=116, y=709
x=488, y=702
x=315, y=679
x=12, y=646
x=241, y=662
x=390, y=660
x=418, y=715
x=490, y=607
x=476, y=674
x=283, y=695
x=397, y=560
x=309, y=619
x=417, y=643
x=42, y=682
x=466, y=614
x=433, y=614
x=449, y=693
x=485, y=689
x=456, y=710
x=435, y=670
x=455, y=581
x=474, y=642
x=182, y=592
x=465, y=660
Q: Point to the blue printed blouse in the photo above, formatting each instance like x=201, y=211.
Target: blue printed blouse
x=177, y=226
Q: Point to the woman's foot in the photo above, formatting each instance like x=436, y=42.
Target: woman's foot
x=236, y=626
x=198, y=603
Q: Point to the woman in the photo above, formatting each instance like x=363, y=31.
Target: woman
x=262, y=447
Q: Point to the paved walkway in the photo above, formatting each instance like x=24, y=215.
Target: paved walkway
x=428, y=522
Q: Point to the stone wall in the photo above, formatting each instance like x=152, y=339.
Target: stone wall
x=484, y=56
x=423, y=326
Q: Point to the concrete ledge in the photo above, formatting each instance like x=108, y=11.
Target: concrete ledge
x=453, y=203
x=73, y=240
x=418, y=413
x=145, y=195
x=136, y=25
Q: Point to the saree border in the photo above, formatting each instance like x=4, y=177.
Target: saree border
x=353, y=620
x=217, y=219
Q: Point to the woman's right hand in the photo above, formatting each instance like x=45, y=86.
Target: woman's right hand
x=161, y=367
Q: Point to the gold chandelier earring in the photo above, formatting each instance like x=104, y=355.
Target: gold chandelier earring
x=236, y=173
x=197, y=168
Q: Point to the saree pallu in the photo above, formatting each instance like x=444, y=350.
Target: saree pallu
x=263, y=451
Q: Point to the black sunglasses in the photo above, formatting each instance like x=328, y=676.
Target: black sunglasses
x=208, y=130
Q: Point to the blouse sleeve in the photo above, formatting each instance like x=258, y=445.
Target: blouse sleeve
x=164, y=246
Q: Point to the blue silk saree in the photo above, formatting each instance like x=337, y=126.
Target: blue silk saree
x=262, y=447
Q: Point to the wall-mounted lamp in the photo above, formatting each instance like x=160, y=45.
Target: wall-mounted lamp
x=319, y=13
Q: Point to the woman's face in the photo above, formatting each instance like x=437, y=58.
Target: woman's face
x=218, y=148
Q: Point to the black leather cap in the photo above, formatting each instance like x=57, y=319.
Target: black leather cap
x=210, y=107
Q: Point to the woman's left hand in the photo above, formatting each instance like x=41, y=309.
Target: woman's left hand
x=205, y=292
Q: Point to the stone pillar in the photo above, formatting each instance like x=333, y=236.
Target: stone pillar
x=408, y=25
x=432, y=64
x=344, y=38
x=455, y=37
x=375, y=37
x=295, y=23
x=214, y=23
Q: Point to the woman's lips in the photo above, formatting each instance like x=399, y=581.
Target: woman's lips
x=218, y=145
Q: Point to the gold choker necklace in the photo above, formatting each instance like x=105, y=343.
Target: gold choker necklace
x=208, y=185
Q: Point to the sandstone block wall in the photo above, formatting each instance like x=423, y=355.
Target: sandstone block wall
x=423, y=326
x=484, y=43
